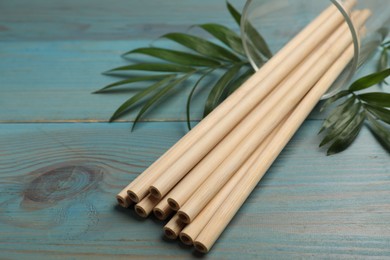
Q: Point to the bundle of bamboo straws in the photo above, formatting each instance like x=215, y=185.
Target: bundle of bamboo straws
x=207, y=175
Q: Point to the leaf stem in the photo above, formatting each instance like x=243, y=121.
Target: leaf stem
x=188, y=106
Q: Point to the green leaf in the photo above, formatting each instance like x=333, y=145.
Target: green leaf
x=383, y=61
x=131, y=80
x=334, y=98
x=137, y=97
x=225, y=35
x=216, y=92
x=369, y=80
x=178, y=57
x=379, y=112
x=383, y=32
x=188, y=106
x=202, y=46
x=236, y=83
x=255, y=55
x=341, y=123
x=258, y=41
x=234, y=13
x=348, y=135
x=376, y=98
x=381, y=133
x=338, y=112
x=256, y=38
x=159, y=95
x=386, y=44
x=160, y=67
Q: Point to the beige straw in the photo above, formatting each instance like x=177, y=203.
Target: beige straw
x=145, y=206
x=162, y=209
x=192, y=230
x=191, y=182
x=173, y=227
x=303, y=79
x=123, y=199
x=161, y=186
x=138, y=189
x=227, y=210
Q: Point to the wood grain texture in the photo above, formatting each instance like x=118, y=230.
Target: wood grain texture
x=58, y=180
x=52, y=54
x=51, y=66
x=55, y=81
x=58, y=184
x=44, y=20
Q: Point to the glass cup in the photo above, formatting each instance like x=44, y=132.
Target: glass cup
x=278, y=21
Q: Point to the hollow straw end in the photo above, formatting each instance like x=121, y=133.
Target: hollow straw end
x=201, y=247
x=124, y=201
x=159, y=214
x=186, y=239
x=133, y=196
x=169, y=233
x=155, y=192
x=184, y=217
x=140, y=211
x=173, y=204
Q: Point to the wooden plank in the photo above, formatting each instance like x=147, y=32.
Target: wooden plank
x=52, y=55
x=55, y=81
x=41, y=20
x=58, y=183
x=22, y=20
x=59, y=50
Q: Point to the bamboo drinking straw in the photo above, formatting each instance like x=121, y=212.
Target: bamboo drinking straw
x=145, y=206
x=305, y=77
x=188, y=185
x=162, y=209
x=161, y=186
x=173, y=227
x=138, y=189
x=191, y=182
x=227, y=210
x=191, y=231
x=124, y=199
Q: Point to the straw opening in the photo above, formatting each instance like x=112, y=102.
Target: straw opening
x=173, y=204
x=155, y=192
x=140, y=211
x=159, y=214
x=133, y=196
x=184, y=217
x=169, y=233
x=186, y=239
x=200, y=247
x=121, y=202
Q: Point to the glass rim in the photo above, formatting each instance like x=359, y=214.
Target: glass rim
x=355, y=39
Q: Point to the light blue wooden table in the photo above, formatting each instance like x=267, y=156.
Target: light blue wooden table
x=61, y=163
